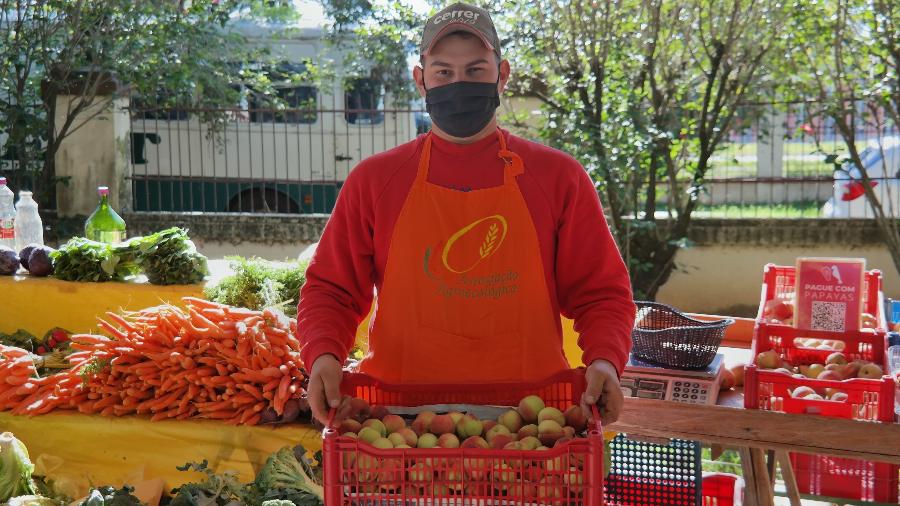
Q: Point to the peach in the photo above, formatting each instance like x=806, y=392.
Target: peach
x=551, y=414
x=529, y=407
x=727, y=379
x=496, y=430
x=529, y=443
x=511, y=419
x=870, y=371
x=427, y=441
x=549, y=431
x=469, y=426
x=812, y=371
x=477, y=469
x=390, y=475
x=738, y=371
x=409, y=436
x=376, y=424
x=500, y=440
x=488, y=424
x=836, y=358
x=368, y=434
x=420, y=472
x=576, y=418
x=850, y=370
x=455, y=478
x=456, y=416
x=396, y=439
x=830, y=375
x=768, y=360
x=393, y=423
x=359, y=409
x=839, y=397
x=475, y=442
x=548, y=491
x=349, y=425
x=367, y=468
x=350, y=434
x=569, y=432
x=383, y=443
x=502, y=473
x=778, y=309
x=379, y=412
x=564, y=439
x=448, y=441
x=442, y=424
x=528, y=430
x=422, y=423
x=802, y=392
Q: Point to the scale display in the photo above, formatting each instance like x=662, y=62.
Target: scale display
x=649, y=381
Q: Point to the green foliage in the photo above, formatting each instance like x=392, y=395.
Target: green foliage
x=166, y=53
x=167, y=257
x=257, y=284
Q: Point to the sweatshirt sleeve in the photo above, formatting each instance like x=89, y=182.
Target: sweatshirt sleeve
x=593, y=286
x=338, y=290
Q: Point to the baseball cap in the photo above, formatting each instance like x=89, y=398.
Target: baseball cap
x=460, y=17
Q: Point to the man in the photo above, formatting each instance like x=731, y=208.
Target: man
x=475, y=240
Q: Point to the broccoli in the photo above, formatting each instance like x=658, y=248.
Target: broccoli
x=285, y=473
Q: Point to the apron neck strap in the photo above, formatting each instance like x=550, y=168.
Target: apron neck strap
x=513, y=165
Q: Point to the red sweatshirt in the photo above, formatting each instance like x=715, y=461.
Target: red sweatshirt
x=587, y=278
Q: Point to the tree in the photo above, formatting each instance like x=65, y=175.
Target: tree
x=643, y=94
x=167, y=52
x=849, y=60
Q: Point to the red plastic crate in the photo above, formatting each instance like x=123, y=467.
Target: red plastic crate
x=843, y=477
x=722, y=489
x=867, y=399
x=570, y=473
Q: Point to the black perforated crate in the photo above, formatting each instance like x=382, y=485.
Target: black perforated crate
x=647, y=473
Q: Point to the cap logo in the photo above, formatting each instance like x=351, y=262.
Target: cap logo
x=467, y=17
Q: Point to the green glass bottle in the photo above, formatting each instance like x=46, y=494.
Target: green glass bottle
x=104, y=224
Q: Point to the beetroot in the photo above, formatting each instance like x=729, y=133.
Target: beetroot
x=9, y=261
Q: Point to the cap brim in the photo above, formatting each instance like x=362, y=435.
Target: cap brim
x=458, y=27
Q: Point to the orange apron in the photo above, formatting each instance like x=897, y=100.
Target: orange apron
x=464, y=297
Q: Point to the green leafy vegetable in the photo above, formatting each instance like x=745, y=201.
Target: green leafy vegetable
x=15, y=469
x=217, y=490
x=111, y=496
x=258, y=284
x=81, y=259
x=289, y=474
x=168, y=257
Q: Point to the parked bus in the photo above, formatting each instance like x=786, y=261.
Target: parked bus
x=290, y=160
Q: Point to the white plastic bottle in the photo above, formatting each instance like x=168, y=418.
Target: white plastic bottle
x=29, y=229
x=7, y=216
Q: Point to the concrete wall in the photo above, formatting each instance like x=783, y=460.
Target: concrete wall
x=94, y=154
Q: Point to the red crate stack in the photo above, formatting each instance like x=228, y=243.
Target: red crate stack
x=867, y=399
x=569, y=473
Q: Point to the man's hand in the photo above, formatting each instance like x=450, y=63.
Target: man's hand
x=603, y=390
x=324, y=390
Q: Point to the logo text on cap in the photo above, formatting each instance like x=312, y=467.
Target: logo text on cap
x=467, y=17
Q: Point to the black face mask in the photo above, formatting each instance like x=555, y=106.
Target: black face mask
x=462, y=109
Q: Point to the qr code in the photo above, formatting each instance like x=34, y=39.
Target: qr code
x=828, y=316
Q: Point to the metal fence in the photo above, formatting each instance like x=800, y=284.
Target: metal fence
x=256, y=160
x=779, y=161
x=775, y=162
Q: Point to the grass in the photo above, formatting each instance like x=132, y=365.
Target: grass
x=800, y=159
x=804, y=209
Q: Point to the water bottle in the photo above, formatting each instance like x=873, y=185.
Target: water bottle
x=7, y=216
x=29, y=229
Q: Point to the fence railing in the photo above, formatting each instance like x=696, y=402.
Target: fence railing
x=774, y=164
x=256, y=160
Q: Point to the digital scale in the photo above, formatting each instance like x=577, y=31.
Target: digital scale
x=646, y=380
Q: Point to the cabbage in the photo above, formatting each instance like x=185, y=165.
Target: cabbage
x=15, y=468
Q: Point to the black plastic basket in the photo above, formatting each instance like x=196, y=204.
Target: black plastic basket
x=664, y=336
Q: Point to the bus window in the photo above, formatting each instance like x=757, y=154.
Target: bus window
x=364, y=102
x=299, y=103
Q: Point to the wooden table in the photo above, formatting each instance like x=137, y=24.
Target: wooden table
x=754, y=433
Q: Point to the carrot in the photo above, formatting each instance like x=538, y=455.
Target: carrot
x=272, y=385
x=112, y=330
x=203, y=303
x=122, y=322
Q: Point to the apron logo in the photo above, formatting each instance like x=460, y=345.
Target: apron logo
x=470, y=245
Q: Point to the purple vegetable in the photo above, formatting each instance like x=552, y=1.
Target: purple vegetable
x=291, y=411
x=25, y=253
x=39, y=263
x=9, y=261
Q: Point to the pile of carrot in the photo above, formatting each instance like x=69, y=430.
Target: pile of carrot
x=208, y=361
